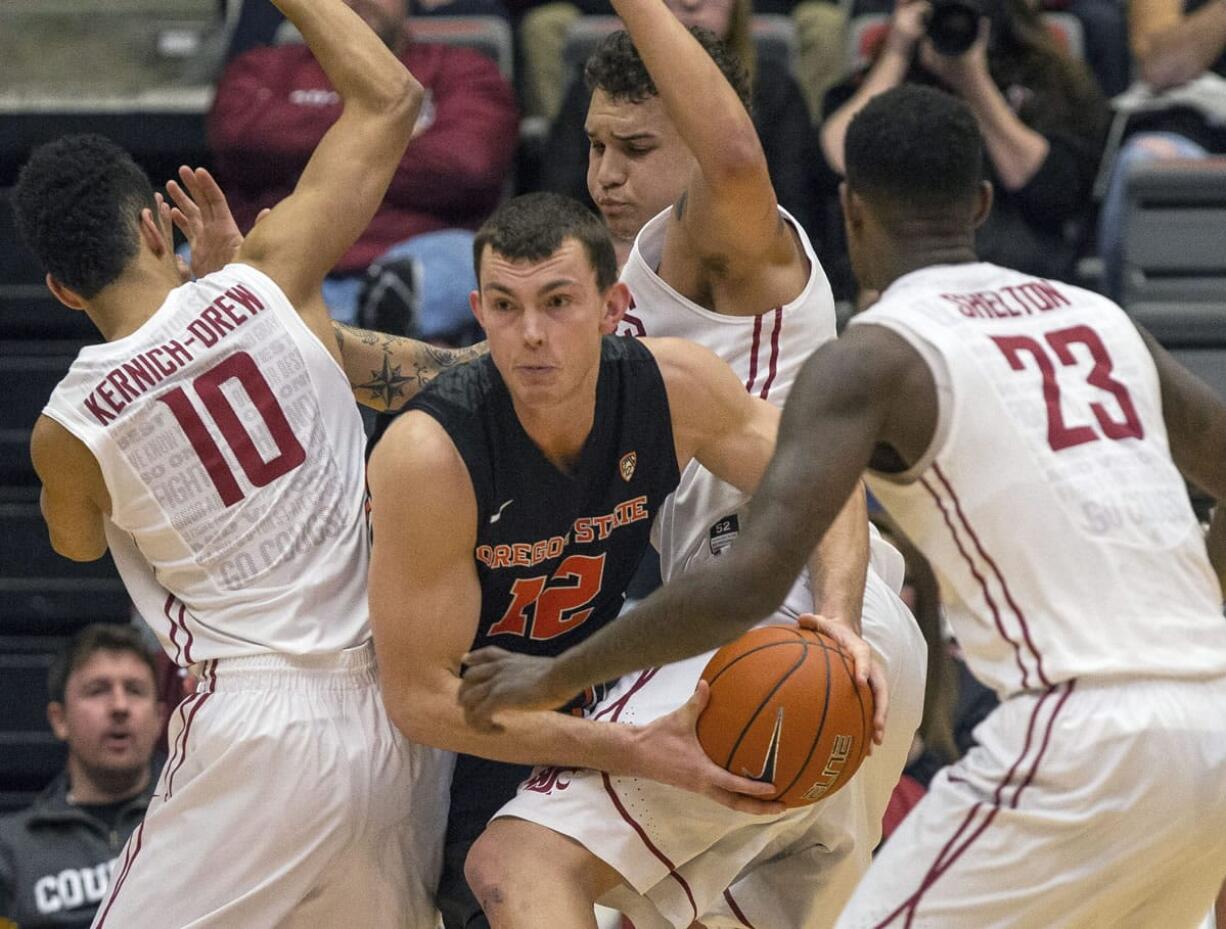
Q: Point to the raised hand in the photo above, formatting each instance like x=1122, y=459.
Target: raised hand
x=908, y=25
x=963, y=73
x=203, y=215
x=868, y=669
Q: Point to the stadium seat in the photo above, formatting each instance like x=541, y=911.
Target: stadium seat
x=1176, y=211
x=29, y=754
x=40, y=590
x=28, y=311
x=1174, y=263
x=26, y=381
x=866, y=34
x=490, y=35
x=487, y=34
x=774, y=38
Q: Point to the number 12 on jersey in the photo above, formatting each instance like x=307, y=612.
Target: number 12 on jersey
x=1060, y=435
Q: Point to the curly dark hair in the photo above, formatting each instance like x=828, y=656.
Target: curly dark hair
x=531, y=227
x=616, y=68
x=77, y=204
x=915, y=146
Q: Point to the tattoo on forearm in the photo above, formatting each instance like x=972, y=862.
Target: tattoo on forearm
x=405, y=365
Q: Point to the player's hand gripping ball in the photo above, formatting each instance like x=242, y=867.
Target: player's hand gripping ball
x=785, y=707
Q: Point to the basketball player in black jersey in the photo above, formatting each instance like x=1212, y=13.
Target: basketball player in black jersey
x=511, y=504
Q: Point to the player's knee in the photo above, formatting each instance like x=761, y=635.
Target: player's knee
x=489, y=870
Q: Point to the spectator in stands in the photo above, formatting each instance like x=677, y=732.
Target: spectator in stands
x=273, y=105
x=58, y=856
x=1104, y=35
x=1041, y=113
x=1180, y=48
x=779, y=112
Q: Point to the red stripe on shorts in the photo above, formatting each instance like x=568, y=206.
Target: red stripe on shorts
x=170, y=781
x=1021, y=617
x=664, y=860
x=616, y=710
x=134, y=848
x=979, y=579
x=736, y=910
x=942, y=864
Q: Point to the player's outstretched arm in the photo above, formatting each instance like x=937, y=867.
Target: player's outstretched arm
x=1196, y=428
x=732, y=435
x=867, y=388
x=347, y=176
x=386, y=371
x=728, y=210
x=425, y=603
x=74, y=497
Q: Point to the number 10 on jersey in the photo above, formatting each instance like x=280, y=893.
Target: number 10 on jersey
x=240, y=367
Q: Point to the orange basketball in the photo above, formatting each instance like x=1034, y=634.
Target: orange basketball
x=785, y=707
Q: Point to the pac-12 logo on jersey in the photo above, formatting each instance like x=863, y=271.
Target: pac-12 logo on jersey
x=627, y=465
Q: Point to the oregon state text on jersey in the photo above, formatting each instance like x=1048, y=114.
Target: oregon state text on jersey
x=228, y=440
x=555, y=551
x=1048, y=502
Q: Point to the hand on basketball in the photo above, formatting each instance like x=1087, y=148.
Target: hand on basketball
x=868, y=670
x=668, y=751
x=495, y=679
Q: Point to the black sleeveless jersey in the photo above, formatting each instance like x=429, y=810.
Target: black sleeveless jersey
x=555, y=551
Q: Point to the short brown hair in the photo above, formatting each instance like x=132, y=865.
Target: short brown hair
x=531, y=227
x=94, y=638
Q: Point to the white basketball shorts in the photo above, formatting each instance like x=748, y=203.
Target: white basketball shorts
x=1088, y=806
x=685, y=857
x=288, y=800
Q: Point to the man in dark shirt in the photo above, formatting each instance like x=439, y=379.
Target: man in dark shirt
x=510, y=506
x=57, y=857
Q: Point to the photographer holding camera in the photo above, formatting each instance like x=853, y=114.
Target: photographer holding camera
x=1042, y=116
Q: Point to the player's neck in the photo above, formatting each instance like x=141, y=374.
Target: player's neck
x=561, y=431
x=124, y=306
x=622, y=249
x=95, y=788
x=913, y=256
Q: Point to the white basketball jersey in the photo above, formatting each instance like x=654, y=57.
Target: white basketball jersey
x=1048, y=502
x=704, y=515
x=232, y=451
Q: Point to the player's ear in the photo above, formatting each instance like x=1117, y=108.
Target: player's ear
x=983, y=203
x=66, y=295
x=56, y=716
x=474, y=303
x=616, y=302
x=852, y=208
x=154, y=235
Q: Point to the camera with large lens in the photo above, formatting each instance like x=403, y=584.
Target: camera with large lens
x=954, y=26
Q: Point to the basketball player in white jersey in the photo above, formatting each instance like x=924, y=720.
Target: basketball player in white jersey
x=212, y=445
x=717, y=261
x=1031, y=442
